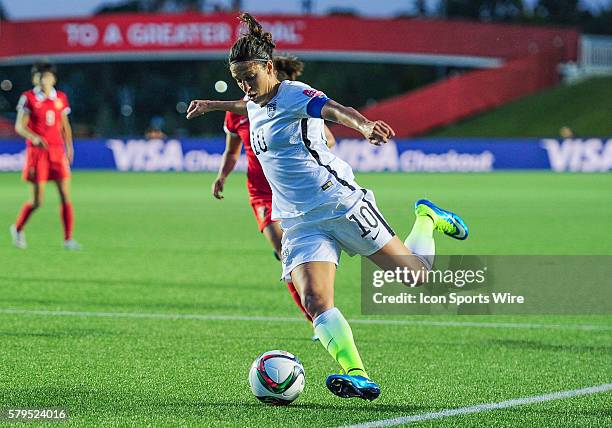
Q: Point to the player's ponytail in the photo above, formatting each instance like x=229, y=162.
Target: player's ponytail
x=256, y=45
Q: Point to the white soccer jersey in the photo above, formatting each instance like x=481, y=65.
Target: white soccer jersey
x=291, y=147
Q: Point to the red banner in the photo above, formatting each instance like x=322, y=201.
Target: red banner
x=198, y=35
x=450, y=100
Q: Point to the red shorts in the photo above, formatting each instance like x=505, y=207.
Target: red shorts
x=43, y=165
x=263, y=212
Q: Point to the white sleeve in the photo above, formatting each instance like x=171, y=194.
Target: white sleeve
x=302, y=100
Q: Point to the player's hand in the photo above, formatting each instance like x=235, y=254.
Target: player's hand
x=39, y=141
x=378, y=132
x=217, y=187
x=198, y=108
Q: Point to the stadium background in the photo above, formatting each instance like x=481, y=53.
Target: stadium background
x=504, y=109
x=129, y=70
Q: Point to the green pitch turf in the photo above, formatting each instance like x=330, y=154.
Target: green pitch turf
x=160, y=244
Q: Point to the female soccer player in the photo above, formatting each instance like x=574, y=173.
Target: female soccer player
x=314, y=195
x=42, y=119
x=260, y=194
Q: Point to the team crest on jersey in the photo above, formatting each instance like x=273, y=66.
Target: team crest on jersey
x=271, y=109
x=311, y=93
x=59, y=104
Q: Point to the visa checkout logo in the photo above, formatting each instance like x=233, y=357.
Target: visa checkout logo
x=159, y=155
x=363, y=157
x=579, y=155
x=569, y=155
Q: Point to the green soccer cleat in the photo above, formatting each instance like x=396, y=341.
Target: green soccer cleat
x=445, y=221
x=347, y=386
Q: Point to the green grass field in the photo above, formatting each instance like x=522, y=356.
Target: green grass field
x=586, y=107
x=159, y=244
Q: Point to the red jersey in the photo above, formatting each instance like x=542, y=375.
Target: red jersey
x=257, y=184
x=45, y=114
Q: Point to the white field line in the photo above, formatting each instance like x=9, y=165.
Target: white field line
x=485, y=407
x=169, y=316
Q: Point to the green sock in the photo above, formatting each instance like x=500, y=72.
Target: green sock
x=336, y=336
x=420, y=241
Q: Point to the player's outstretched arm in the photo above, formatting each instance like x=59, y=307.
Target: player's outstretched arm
x=200, y=107
x=377, y=132
x=233, y=145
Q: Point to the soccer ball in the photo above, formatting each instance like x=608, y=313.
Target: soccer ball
x=277, y=378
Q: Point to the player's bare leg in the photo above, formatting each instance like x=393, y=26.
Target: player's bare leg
x=315, y=283
x=66, y=213
x=17, y=233
x=395, y=254
x=274, y=234
x=63, y=188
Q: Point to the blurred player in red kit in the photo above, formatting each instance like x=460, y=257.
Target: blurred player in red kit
x=260, y=195
x=42, y=119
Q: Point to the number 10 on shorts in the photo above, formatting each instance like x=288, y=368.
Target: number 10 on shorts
x=366, y=221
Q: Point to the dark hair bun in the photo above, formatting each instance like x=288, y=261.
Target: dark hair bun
x=256, y=30
x=256, y=45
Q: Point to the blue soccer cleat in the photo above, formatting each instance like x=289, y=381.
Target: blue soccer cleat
x=347, y=386
x=445, y=221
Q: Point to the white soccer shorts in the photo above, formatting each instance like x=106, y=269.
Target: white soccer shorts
x=354, y=225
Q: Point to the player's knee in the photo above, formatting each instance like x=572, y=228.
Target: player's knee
x=37, y=203
x=315, y=303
